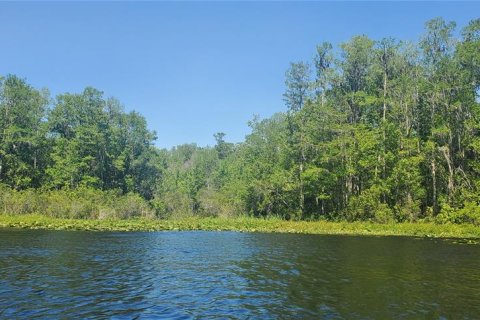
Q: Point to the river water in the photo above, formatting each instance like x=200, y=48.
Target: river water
x=207, y=275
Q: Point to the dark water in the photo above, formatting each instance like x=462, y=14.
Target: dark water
x=73, y=275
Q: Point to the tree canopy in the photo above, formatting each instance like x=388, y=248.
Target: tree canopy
x=381, y=130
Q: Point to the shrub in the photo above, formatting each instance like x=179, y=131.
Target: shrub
x=82, y=203
x=213, y=203
x=470, y=213
x=132, y=205
x=383, y=214
x=174, y=204
x=409, y=211
x=367, y=206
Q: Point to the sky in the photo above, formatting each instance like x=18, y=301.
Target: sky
x=193, y=68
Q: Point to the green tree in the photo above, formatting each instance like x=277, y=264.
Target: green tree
x=23, y=151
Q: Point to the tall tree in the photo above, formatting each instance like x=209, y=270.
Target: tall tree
x=297, y=82
x=23, y=151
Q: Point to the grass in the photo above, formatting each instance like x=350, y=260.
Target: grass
x=245, y=224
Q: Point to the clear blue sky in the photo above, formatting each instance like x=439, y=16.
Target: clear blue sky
x=193, y=69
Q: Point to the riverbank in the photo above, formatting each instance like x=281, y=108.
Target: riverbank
x=244, y=224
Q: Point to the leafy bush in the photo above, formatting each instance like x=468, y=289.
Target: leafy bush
x=174, y=204
x=383, y=214
x=132, y=205
x=214, y=203
x=470, y=213
x=82, y=203
x=364, y=206
x=409, y=211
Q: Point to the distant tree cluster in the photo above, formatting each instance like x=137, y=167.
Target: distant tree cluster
x=83, y=140
x=379, y=130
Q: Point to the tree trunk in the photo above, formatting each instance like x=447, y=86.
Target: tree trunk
x=434, y=187
x=301, y=194
x=451, y=186
x=384, y=95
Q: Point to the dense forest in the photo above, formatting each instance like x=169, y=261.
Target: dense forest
x=381, y=130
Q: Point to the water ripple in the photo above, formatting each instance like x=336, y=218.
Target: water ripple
x=226, y=275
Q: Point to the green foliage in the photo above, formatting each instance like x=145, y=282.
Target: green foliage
x=23, y=148
x=81, y=203
x=368, y=206
x=297, y=80
x=385, y=131
x=248, y=224
x=470, y=213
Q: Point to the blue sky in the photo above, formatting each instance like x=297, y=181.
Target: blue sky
x=193, y=69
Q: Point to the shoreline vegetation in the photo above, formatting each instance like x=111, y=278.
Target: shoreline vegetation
x=245, y=224
x=375, y=130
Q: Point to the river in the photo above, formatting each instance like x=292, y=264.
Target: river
x=185, y=275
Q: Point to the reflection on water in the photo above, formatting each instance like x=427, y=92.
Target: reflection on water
x=234, y=275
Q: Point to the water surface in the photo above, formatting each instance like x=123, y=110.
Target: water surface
x=183, y=275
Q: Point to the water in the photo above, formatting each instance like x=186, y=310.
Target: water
x=183, y=275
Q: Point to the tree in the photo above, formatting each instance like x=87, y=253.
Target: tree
x=297, y=82
x=323, y=66
x=223, y=148
x=357, y=61
x=23, y=151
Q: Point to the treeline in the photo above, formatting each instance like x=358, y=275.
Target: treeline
x=377, y=130
x=68, y=147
